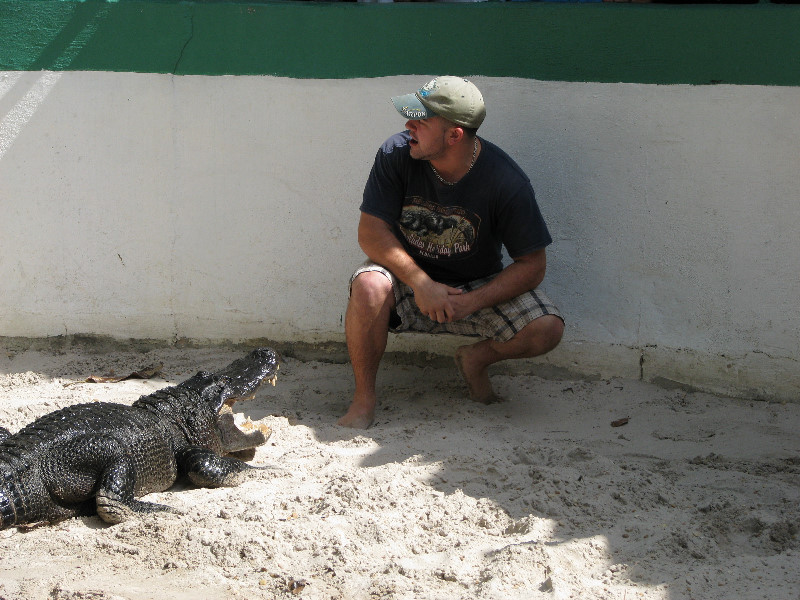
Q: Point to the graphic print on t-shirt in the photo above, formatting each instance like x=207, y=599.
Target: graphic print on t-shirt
x=436, y=231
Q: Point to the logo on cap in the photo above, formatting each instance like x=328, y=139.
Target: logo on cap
x=427, y=89
x=413, y=113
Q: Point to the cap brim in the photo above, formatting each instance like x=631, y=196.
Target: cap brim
x=411, y=108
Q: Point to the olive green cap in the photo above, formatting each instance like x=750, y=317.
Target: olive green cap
x=453, y=98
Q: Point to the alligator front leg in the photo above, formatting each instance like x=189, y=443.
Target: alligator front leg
x=98, y=466
x=207, y=469
x=115, y=499
x=4, y=433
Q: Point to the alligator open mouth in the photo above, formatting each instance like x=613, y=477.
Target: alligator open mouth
x=245, y=376
x=240, y=435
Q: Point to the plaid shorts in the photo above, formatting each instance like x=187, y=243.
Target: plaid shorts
x=501, y=322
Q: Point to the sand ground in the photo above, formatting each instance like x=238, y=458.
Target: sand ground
x=540, y=497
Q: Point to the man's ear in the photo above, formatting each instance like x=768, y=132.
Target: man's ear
x=456, y=135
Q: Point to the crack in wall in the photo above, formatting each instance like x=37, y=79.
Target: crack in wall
x=186, y=43
x=641, y=366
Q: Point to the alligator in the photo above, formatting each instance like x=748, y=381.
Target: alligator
x=100, y=457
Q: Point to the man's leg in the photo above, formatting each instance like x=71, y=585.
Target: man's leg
x=367, y=330
x=536, y=338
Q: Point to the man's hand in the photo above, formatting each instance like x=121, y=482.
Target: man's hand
x=434, y=299
x=438, y=301
x=525, y=273
x=463, y=305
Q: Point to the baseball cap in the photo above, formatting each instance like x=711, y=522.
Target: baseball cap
x=454, y=98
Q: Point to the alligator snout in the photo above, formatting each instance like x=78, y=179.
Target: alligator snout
x=246, y=374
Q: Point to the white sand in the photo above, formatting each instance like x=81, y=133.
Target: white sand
x=540, y=497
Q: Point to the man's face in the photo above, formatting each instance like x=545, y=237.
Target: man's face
x=428, y=138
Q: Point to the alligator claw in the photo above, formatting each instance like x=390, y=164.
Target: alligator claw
x=113, y=510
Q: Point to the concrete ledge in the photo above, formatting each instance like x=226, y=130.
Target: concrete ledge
x=756, y=376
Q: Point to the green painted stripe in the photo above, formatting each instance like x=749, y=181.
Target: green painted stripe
x=696, y=44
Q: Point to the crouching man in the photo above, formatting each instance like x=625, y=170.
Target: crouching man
x=439, y=204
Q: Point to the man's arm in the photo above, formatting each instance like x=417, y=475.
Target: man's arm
x=379, y=243
x=524, y=274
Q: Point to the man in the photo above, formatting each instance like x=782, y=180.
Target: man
x=438, y=205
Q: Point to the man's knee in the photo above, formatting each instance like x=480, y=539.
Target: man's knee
x=371, y=288
x=541, y=335
x=553, y=330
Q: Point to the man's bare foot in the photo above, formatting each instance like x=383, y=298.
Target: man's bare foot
x=476, y=376
x=358, y=416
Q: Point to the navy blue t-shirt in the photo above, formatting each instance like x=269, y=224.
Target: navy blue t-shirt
x=455, y=233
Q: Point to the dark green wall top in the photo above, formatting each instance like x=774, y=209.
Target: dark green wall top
x=696, y=44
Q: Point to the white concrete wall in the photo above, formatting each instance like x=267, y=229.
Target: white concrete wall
x=225, y=208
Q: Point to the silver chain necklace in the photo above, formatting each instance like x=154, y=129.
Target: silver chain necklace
x=471, y=164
